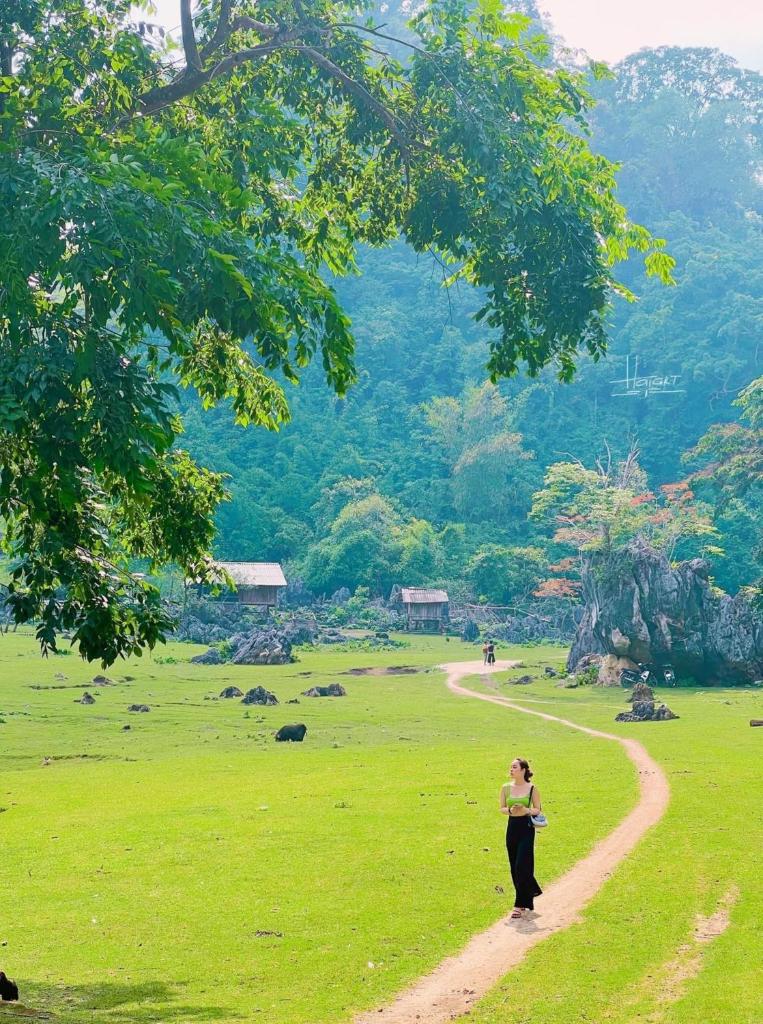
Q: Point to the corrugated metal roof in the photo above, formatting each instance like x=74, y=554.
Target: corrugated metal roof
x=254, y=574
x=413, y=595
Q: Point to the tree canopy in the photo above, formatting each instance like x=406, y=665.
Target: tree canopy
x=174, y=215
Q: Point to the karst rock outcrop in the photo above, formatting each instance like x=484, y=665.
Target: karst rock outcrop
x=639, y=606
x=264, y=647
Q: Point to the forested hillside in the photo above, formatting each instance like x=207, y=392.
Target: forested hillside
x=425, y=471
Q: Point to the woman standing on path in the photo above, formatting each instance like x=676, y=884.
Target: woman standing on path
x=520, y=800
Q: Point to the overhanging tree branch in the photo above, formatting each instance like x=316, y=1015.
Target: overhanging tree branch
x=222, y=30
x=192, y=58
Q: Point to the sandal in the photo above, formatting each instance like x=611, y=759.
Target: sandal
x=517, y=913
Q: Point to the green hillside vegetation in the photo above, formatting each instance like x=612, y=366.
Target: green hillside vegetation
x=182, y=220
x=425, y=472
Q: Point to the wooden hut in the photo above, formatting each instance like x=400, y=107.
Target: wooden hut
x=426, y=610
x=257, y=583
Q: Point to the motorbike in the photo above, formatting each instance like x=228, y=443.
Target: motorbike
x=662, y=675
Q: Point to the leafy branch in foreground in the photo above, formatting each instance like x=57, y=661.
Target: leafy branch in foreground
x=176, y=218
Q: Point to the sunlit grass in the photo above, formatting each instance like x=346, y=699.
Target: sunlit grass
x=192, y=869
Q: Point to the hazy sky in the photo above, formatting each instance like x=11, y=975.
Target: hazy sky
x=610, y=29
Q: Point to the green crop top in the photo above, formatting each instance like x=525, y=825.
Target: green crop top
x=524, y=800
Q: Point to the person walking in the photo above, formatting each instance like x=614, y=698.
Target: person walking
x=484, y=654
x=519, y=800
x=491, y=653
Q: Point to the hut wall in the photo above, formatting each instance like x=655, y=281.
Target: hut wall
x=426, y=616
x=260, y=596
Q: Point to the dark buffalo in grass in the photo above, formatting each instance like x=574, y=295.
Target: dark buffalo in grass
x=291, y=733
x=9, y=991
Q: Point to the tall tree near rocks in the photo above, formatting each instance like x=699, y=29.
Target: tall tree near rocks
x=730, y=464
x=175, y=213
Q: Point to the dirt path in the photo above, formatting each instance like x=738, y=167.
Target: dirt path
x=458, y=982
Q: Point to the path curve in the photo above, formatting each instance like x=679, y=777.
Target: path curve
x=459, y=981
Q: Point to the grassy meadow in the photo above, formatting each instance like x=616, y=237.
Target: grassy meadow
x=675, y=935
x=191, y=869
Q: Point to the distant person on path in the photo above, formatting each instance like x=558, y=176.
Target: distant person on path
x=484, y=654
x=520, y=800
x=491, y=653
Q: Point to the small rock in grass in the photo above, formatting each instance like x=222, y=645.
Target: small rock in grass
x=259, y=695
x=332, y=690
x=86, y=698
x=102, y=681
x=126, y=728
x=139, y=707
x=231, y=691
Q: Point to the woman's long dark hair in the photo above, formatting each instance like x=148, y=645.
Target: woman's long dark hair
x=524, y=765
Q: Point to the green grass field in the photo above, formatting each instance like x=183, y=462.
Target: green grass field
x=191, y=869
x=643, y=952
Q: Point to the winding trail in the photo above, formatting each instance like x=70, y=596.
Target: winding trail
x=459, y=981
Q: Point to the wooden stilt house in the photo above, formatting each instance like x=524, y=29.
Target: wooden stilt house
x=257, y=583
x=426, y=610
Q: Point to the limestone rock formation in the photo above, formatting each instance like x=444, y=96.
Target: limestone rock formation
x=641, y=692
x=640, y=607
x=210, y=657
x=259, y=695
x=231, y=691
x=264, y=647
x=610, y=667
x=646, y=711
x=332, y=690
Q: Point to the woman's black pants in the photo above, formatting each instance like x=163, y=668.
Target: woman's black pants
x=520, y=843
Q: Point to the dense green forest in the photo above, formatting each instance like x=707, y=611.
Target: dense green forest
x=425, y=471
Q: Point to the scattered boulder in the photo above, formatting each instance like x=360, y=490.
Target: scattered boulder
x=210, y=657
x=333, y=636
x=102, y=681
x=301, y=630
x=610, y=668
x=259, y=695
x=522, y=680
x=264, y=647
x=470, y=632
x=646, y=711
x=641, y=692
x=550, y=672
x=126, y=728
x=291, y=733
x=231, y=691
x=86, y=698
x=59, y=676
x=332, y=690
x=141, y=708
x=294, y=700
